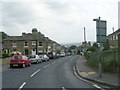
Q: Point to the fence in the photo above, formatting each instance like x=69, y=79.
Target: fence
x=110, y=60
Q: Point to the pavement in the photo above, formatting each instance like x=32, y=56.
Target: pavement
x=108, y=80
x=4, y=62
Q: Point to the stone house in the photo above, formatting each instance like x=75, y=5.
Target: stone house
x=119, y=40
x=113, y=39
x=28, y=43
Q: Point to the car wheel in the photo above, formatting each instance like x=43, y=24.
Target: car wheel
x=11, y=66
x=37, y=62
x=23, y=65
x=30, y=64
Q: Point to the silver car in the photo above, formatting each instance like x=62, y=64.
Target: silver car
x=35, y=59
x=44, y=57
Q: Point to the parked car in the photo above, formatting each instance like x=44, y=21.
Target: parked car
x=45, y=58
x=19, y=60
x=52, y=55
x=35, y=59
x=62, y=54
x=58, y=55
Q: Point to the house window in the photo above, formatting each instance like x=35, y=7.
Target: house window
x=40, y=44
x=26, y=44
x=33, y=42
x=116, y=37
x=14, y=44
x=113, y=37
x=26, y=52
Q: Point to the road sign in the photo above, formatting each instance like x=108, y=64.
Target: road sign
x=101, y=31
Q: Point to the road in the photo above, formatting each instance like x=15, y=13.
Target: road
x=57, y=73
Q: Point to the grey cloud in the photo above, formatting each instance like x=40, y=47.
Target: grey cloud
x=58, y=8
x=16, y=13
x=61, y=21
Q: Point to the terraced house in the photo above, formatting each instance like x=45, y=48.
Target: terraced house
x=113, y=39
x=30, y=43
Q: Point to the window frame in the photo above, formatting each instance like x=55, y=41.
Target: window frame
x=34, y=43
x=40, y=44
x=14, y=44
x=26, y=44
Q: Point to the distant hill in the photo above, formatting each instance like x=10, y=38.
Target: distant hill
x=70, y=44
x=76, y=44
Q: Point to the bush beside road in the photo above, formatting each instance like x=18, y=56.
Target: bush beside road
x=108, y=80
x=109, y=58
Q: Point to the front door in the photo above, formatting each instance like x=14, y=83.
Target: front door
x=26, y=52
x=33, y=51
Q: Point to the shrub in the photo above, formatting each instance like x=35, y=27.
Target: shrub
x=4, y=54
x=88, y=55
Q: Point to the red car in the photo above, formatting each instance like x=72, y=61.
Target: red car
x=19, y=60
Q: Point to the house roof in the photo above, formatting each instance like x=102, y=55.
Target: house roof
x=114, y=33
x=27, y=37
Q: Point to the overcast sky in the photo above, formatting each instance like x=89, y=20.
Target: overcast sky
x=60, y=20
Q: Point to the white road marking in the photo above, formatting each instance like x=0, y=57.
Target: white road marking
x=35, y=73
x=53, y=62
x=22, y=86
x=46, y=66
x=97, y=86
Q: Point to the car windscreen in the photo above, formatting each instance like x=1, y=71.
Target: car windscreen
x=50, y=53
x=40, y=56
x=17, y=57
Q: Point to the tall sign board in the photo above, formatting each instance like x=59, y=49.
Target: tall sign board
x=101, y=31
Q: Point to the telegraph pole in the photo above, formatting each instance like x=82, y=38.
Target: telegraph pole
x=84, y=35
x=99, y=33
x=113, y=29
x=100, y=63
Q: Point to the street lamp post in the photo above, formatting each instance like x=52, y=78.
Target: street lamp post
x=100, y=62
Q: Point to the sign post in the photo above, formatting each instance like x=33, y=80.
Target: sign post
x=101, y=38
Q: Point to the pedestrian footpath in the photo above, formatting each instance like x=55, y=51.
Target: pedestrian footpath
x=4, y=64
x=86, y=72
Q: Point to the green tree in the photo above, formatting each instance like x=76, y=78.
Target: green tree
x=93, y=48
x=106, y=45
x=95, y=45
x=58, y=51
x=3, y=35
x=73, y=47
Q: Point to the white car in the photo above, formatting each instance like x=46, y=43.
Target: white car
x=35, y=59
x=45, y=58
x=62, y=54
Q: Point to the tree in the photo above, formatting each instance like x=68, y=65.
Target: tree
x=106, y=45
x=95, y=45
x=73, y=47
x=93, y=48
x=3, y=35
